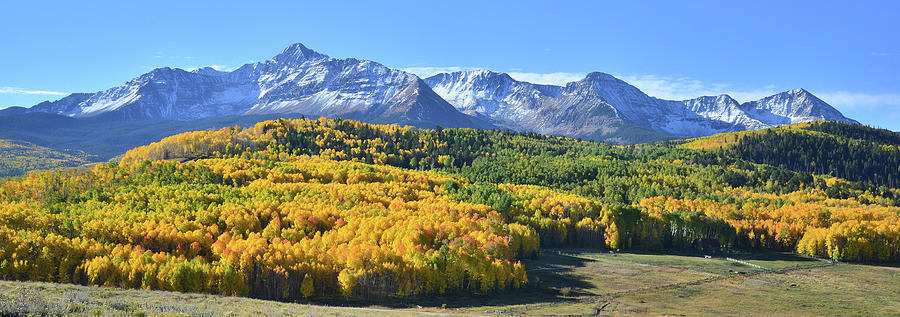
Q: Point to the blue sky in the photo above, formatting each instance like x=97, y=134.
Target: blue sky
x=846, y=53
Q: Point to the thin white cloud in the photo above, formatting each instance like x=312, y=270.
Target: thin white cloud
x=23, y=91
x=861, y=100
x=683, y=88
x=221, y=68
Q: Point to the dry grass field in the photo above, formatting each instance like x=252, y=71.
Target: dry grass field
x=561, y=282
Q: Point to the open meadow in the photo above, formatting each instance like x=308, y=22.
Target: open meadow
x=561, y=282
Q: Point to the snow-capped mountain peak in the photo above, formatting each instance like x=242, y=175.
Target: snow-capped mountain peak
x=793, y=106
x=297, y=54
x=296, y=81
x=600, y=77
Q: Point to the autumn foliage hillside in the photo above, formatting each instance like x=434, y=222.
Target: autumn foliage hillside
x=839, y=149
x=331, y=208
x=290, y=229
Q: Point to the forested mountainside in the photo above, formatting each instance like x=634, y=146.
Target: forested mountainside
x=290, y=209
x=844, y=150
x=19, y=157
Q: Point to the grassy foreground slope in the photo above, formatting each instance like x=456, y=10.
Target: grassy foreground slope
x=49, y=299
x=564, y=282
x=840, y=290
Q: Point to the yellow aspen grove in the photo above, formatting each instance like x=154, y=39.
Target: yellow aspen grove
x=297, y=228
x=330, y=208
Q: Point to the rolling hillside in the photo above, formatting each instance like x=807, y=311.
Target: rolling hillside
x=849, y=151
x=19, y=157
x=333, y=209
x=101, y=139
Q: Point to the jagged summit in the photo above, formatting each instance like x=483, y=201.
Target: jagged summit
x=297, y=53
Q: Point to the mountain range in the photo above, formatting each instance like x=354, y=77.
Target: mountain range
x=600, y=106
x=300, y=81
